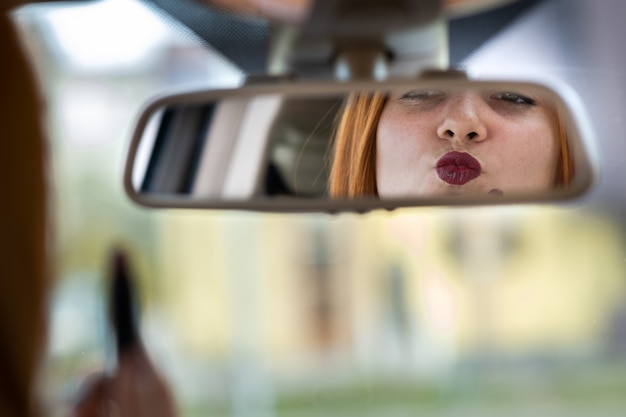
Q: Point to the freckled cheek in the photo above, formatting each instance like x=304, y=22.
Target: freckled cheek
x=401, y=136
x=543, y=145
x=530, y=156
x=389, y=138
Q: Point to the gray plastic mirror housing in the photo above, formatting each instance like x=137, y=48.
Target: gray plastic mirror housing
x=232, y=166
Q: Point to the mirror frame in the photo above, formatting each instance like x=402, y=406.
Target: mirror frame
x=576, y=121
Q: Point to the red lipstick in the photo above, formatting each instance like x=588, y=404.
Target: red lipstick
x=458, y=168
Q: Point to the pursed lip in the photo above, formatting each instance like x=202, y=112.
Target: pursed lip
x=458, y=168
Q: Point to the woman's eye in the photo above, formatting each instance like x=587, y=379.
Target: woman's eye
x=420, y=95
x=514, y=98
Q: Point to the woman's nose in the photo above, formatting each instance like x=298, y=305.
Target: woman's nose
x=463, y=119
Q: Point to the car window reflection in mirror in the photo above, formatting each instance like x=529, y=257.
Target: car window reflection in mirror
x=418, y=144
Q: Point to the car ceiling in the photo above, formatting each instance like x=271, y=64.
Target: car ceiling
x=244, y=40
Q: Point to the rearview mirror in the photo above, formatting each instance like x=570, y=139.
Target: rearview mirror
x=360, y=146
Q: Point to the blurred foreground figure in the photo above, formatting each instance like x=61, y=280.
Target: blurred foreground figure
x=23, y=228
x=134, y=388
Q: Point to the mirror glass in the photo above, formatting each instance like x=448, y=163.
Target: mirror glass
x=398, y=144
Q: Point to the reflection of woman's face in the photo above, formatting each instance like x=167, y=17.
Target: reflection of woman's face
x=465, y=142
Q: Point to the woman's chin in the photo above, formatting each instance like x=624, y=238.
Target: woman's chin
x=465, y=190
x=441, y=189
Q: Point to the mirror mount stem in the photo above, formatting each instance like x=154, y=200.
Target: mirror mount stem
x=355, y=40
x=361, y=63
